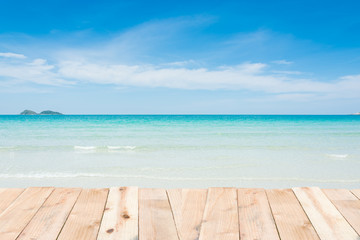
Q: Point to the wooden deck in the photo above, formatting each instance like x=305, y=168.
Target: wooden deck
x=131, y=213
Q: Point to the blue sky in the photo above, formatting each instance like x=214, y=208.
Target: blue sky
x=134, y=57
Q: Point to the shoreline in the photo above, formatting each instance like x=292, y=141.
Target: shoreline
x=96, y=182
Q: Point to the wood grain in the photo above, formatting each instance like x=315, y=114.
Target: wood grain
x=84, y=220
x=7, y=196
x=188, y=208
x=120, y=220
x=155, y=217
x=356, y=192
x=48, y=221
x=255, y=217
x=129, y=213
x=14, y=219
x=220, y=219
x=347, y=204
x=326, y=219
x=291, y=220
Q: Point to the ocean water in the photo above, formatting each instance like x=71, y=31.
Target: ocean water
x=194, y=151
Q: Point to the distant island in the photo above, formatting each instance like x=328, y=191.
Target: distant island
x=356, y=113
x=46, y=112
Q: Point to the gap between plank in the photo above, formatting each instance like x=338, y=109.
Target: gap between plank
x=69, y=213
x=35, y=212
x=272, y=214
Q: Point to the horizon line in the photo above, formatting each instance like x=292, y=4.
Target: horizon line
x=182, y=114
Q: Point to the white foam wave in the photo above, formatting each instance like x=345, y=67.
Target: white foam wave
x=121, y=147
x=337, y=155
x=6, y=147
x=50, y=175
x=103, y=148
x=84, y=147
x=102, y=175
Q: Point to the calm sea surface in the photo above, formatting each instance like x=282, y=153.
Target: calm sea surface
x=180, y=151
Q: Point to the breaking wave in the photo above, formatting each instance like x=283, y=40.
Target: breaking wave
x=84, y=147
x=337, y=155
x=103, y=148
x=121, y=147
x=102, y=175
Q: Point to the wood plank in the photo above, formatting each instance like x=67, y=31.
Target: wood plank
x=48, y=221
x=14, y=219
x=84, y=220
x=255, y=217
x=220, y=219
x=356, y=192
x=155, y=217
x=7, y=196
x=120, y=220
x=291, y=220
x=347, y=204
x=326, y=219
x=188, y=208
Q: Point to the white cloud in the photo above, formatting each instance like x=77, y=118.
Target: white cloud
x=146, y=42
x=37, y=71
x=303, y=97
x=282, y=62
x=38, y=62
x=12, y=55
x=288, y=72
x=247, y=76
x=181, y=63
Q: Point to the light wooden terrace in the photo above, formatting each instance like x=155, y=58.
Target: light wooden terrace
x=131, y=213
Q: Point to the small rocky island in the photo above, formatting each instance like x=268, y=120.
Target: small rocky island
x=46, y=112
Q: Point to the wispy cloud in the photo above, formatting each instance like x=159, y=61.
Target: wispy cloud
x=131, y=59
x=12, y=55
x=243, y=76
x=303, y=97
x=246, y=76
x=257, y=77
x=154, y=41
x=288, y=72
x=36, y=71
x=182, y=63
x=282, y=62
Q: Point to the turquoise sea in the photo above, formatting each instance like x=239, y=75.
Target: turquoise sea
x=271, y=151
